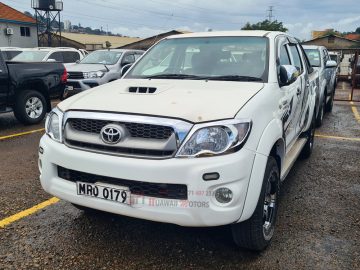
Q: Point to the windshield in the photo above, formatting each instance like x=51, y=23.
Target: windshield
x=31, y=56
x=211, y=58
x=102, y=57
x=314, y=57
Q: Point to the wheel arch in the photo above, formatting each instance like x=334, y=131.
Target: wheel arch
x=38, y=86
x=272, y=143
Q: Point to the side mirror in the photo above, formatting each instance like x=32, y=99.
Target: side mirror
x=125, y=69
x=77, y=61
x=288, y=74
x=51, y=60
x=331, y=64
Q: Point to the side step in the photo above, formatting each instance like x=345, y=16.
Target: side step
x=292, y=156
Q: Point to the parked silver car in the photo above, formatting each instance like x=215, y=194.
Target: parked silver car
x=97, y=68
x=320, y=60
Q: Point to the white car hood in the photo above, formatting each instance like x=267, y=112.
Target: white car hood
x=191, y=100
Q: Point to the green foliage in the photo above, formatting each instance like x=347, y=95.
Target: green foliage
x=266, y=25
x=357, y=31
x=107, y=44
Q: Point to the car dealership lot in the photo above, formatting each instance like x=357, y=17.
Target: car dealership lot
x=318, y=223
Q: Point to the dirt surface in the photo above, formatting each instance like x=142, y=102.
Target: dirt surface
x=318, y=224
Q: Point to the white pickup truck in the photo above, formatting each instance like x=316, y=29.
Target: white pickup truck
x=199, y=132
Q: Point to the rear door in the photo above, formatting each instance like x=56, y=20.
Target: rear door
x=4, y=87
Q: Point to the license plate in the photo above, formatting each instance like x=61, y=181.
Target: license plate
x=69, y=87
x=104, y=191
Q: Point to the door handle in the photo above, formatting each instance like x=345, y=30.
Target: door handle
x=298, y=92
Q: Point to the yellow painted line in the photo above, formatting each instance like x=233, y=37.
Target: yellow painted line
x=356, y=113
x=337, y=138
x=21, y=134
x=7, y=221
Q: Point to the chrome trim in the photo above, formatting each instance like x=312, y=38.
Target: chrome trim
x=180, y=127
x=227, y=123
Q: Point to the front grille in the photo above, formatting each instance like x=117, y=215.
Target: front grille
x=157, y=190
x=121, y=150
x=75, y=75
x=136, y=130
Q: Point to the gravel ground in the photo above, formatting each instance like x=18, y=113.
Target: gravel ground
x=318, y=224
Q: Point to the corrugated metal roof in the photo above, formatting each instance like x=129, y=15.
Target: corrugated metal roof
x=12, y=15
x=100, y=39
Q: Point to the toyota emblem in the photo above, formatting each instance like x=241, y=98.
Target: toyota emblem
x=110, y=134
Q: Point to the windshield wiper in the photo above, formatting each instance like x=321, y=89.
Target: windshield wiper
x=174, y=76
x=235, y=78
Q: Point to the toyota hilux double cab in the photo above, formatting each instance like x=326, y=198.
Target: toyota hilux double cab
x=321, y=62
x=27, y=88
x=205, y=141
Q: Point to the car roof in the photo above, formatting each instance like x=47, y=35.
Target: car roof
x=51, y=49
x=118, y=50
x=239, y=33
x=10, y=49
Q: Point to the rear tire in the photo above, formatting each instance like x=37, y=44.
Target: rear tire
x=256, y=233
x=30, y=107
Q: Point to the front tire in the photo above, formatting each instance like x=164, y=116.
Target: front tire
x=30, y=107
x=256, y=233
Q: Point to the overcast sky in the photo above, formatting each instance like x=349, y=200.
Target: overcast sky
x=149, y=17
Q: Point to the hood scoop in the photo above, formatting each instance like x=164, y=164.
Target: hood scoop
x=142, y=90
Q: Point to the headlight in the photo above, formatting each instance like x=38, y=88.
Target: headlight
x=53, y=125
x=215, y=138
x=93, y=74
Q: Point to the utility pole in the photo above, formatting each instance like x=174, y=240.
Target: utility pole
x=270, y=13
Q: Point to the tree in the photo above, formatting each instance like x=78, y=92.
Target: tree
x=107, y=44
x=357, y=31
x=266, y=25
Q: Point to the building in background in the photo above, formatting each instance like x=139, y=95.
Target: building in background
x=334, y=42
x=67, y=25
x=93, y=42
x=16, y=28
x=321, y=33
x=146, y=43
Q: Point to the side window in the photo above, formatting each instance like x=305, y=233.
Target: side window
x=128, y=59
x=325, y=58
x=284, y=56
x=25, y=31
x=57, y=56
x=70, y=57
x=296, y=57
x=137, y=56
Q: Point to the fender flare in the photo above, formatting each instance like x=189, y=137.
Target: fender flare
x=271, y=135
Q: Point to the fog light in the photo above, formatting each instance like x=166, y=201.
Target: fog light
x=223, y=195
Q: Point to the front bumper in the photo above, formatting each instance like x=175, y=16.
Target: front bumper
x=201, y=208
